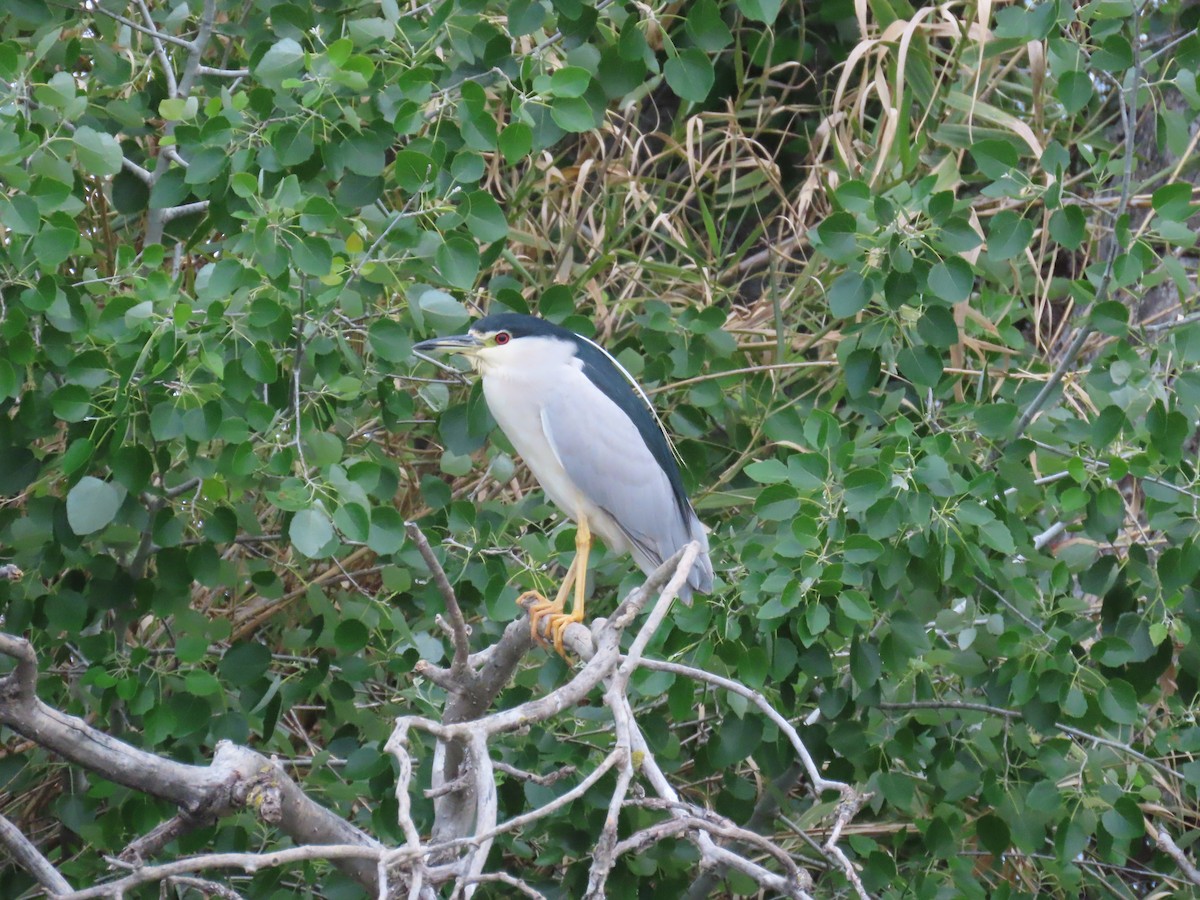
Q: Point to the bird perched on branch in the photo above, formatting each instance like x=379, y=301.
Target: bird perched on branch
x=590, y=436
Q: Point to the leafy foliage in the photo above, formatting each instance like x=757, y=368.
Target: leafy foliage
x=884, y=270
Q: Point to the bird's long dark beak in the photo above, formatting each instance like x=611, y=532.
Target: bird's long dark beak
x=456, y=343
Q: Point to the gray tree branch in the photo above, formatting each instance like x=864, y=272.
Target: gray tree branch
x=21, y=849
x=238, y=778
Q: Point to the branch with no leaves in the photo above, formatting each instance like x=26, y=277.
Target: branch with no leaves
x=464, y=782
x=458, y=624
x=238, y=778
x=246, y=862
x=21, y=849
x=1169, y=847
x=459, y=855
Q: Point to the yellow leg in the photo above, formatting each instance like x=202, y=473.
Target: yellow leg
x=552, y=611
x=539, y=607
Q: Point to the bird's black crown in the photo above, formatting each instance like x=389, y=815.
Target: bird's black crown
x=519, y=326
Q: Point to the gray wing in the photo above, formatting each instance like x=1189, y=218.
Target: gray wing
x=603, y=453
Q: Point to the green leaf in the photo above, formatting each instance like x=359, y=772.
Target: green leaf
x=920, y=365
x=98, y=153
x=1114, y=55
x=92, y=504
x=995, y=420
x=442, y=310
x=244, y=185
x=952, y=280
x=1074, y=91
x=1008, y=235
x=1174, y=202
x=177, y=109
x=311, y=532
x=413, y=170
x=515, y=142
x=458, y=261
x=764, y=11
x=736, y=739
x=72, y=403
x=855, y=606
x=9, y=381
x=52, y=246
x=284, y=59
x=573, y=114
x=1068, y=227
x=1118, y=701
x=994, y=158
x=838, y=237
x=485, y=219
x=706, y=27
x=860, y=549
x=1124, y=820
x=387, y=530
x=937, y=327
x=1107, y=426
x=849, y=294
x=390, y=340
x=313, y=256
x=767, y=471
x=690, y=75
x=570, y=81
x=353, y=521
x=525, y=17
x=244, y=663
x=861, y=370
x=351, y=636
x=1112, y=318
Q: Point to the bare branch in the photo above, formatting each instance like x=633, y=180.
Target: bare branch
x=543, y=780
x=695, y=817
x=187, y=209
x=462, y=645
x=159, y=50
x=203, y=884
x=765, y=811
x=223, y=73
x=149, y=844
x=143, y=175
x=21, y=849
x=246, y=862
x=505, y=878
x=238, y=777
x=155, y=34
x=1169, y=847
x=819, y=783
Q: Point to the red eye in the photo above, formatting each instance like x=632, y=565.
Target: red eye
x=503, y=338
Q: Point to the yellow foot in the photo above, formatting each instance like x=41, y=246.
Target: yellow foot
x=539, y=609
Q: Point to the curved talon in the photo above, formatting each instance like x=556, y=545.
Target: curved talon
x=552, y=610
x=538, y=609
x=558, y=625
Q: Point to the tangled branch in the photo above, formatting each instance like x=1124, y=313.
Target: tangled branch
x=463, y=787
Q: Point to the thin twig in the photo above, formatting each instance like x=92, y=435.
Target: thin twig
x=1015, y=714
x=458, y=625
x=159, y=50
x=157, y=35
x=1169, y=847
x=247, y=862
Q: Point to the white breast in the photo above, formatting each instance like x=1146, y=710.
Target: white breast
x=516, y=395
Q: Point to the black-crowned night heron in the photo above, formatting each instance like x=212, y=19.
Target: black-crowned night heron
x=591, y=438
